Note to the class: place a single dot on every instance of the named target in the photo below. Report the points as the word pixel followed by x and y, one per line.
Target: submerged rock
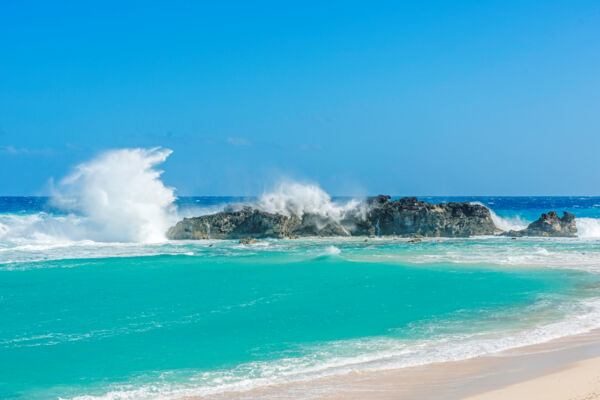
pixel 550 225
pixel 378 216
pixel 248 240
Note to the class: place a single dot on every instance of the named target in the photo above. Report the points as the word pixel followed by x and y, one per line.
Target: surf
pixel 118 196
pixel 295 198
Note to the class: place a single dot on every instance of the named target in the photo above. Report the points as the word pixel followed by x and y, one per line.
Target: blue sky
pixel 469 97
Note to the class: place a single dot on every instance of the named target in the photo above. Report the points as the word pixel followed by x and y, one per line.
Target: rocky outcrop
pixel 318 225
pixel 410 217
pixel 378 216
pixel 550 225
pixel 244 223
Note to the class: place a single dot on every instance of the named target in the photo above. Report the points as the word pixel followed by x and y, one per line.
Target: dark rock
pixel 234 225
pixel 549 225
pixel 415 240
pixel 248 240
pixel 377 200
pixel 317 225
pixel 410 217
pixel 378 216
pixel 249 222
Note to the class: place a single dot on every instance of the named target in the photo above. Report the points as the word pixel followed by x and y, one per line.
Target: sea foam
pixel 121 195
pixel 115 197
pixel 294 198
pixel 505 223
pixel 588 227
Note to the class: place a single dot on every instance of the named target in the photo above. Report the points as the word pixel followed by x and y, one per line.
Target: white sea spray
pixel 294 198
pixel 116 197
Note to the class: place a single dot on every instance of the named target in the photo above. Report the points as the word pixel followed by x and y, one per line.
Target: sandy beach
pixel 563 369
pixel 576 381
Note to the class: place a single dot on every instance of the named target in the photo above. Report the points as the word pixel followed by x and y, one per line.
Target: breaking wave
pixel 293 198
pixel 508 223
pixel 116 197
pixel 588 227
pixel 505 223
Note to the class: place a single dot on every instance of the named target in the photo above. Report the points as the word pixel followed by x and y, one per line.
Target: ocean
pixel 95 304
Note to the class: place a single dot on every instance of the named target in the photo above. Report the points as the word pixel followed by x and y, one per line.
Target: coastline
pixel 566 368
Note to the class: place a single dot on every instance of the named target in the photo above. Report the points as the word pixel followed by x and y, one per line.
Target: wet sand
pixel 567 368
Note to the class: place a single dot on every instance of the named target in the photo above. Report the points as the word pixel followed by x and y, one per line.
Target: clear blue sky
pixel 452 97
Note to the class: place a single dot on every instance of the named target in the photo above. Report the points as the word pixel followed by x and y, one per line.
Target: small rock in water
pixel 549 225
pixel 248 240
pixel 415 240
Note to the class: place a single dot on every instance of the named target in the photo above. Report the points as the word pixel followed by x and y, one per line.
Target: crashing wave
pixel 588 228
pixel 506 224
pixel 293 198
pixel 116 197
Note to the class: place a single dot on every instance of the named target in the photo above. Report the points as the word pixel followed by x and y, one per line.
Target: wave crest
pixel 505 223
pixel 115 197
pixel 121 196
pixel 588 227
pixel 293 198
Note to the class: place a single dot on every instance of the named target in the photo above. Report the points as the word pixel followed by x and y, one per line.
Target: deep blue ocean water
pixel 113 319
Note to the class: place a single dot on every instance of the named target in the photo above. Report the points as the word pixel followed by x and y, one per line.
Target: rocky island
pixel 377 216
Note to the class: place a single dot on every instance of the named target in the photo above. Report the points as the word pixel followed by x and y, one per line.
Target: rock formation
pixel 379 216
pixel 549 225
pixel 411 217
pixel 240 224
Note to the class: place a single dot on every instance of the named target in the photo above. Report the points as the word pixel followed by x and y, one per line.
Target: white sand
pixel 576 381
pixel 565 369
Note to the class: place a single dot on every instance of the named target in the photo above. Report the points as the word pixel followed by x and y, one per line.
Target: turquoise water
pixel 84 319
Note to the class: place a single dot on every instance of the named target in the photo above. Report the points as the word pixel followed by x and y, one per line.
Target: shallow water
pixel 89 319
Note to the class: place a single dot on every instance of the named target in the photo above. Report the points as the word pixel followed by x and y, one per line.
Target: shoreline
pixel 566 368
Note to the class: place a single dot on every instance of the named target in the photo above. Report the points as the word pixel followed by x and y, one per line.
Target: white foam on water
pixel 508 223
pixel 332 251
pixel 499 251
pixel 505 223
pixel 588 227
pixel 3 229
